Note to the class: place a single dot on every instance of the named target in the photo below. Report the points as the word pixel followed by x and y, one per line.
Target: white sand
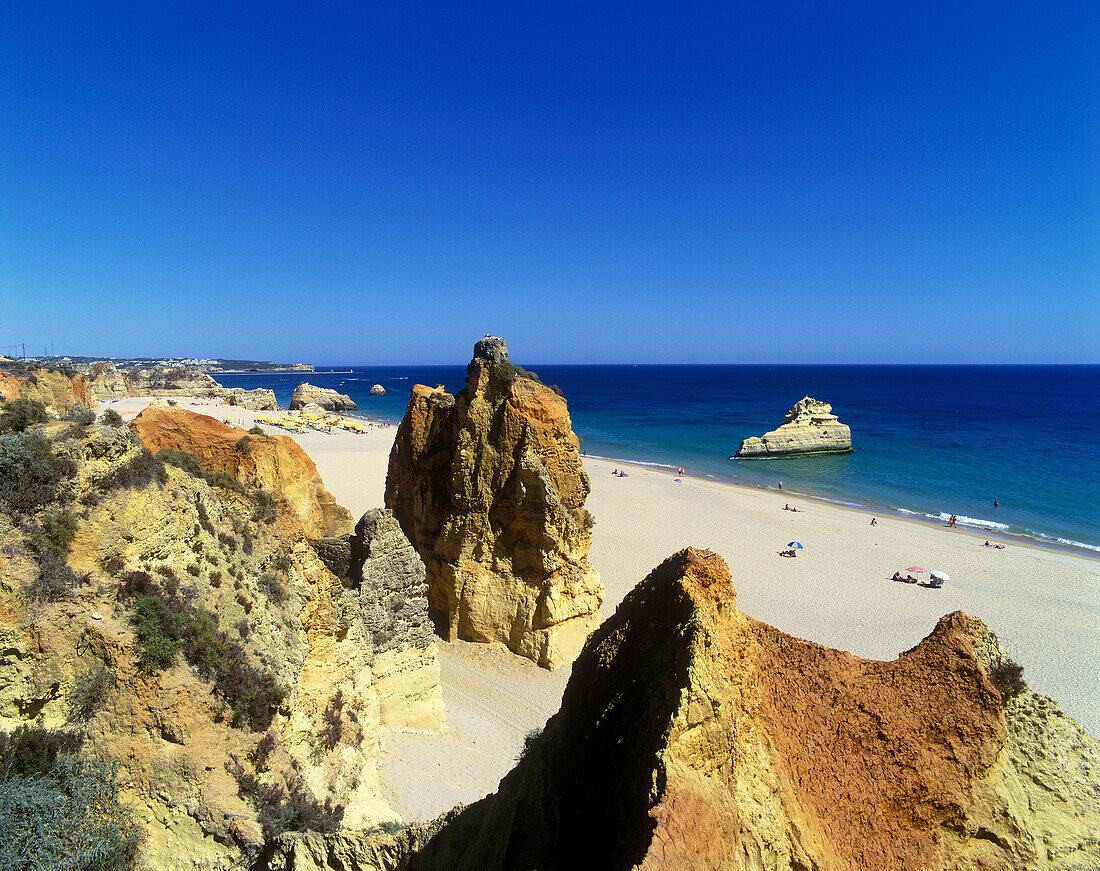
pixel 1044 604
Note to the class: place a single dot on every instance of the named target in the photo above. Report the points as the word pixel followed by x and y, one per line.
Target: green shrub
pixel 182 460
pixel 164 625
pixel 204 518
pixel 89 693
pixel 55 580
pixel 1008 677
pixel 112 565
pixel 137 473
pixel 242 443
pixel 273 587
pixel 264 507
pixel 20 414
pixel 224 480
pixel 80 415
pixel 69 818
pixel 55 533
pixel 30 751
pixel 256 430
pixel 29 471
pixel 112 418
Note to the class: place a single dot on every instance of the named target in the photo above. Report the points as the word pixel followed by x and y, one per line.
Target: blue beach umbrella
pixel 797 544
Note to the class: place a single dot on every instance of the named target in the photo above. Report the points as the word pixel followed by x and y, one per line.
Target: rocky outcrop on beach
pixel 57 391
pixel 108 382
pixel 273 462
pixel 258 399
pixel 809 428
pixel 489 487
pixel 306 394
pixel 377 390
pixel 692 736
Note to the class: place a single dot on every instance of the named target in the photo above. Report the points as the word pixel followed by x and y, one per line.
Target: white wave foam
pixel 1073 543
pixel 973 521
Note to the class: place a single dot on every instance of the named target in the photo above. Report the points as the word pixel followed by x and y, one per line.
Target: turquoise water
pixel 928 440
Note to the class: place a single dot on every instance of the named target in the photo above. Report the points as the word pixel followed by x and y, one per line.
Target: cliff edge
pixel 489 487
pixel 692 736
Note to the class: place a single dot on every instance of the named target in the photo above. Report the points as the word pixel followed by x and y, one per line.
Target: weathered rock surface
pixel 809 428
pixel 107 381
pixel 259 399
pixel 188 766
pixel 692 736
pixel 57 391
pixel 274 462
pixel 489 487
pixel 377 390
pixel 330 400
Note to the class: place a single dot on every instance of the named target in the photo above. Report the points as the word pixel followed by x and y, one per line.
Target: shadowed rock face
pixel 274 462
pixel 489 487
pixel 692 736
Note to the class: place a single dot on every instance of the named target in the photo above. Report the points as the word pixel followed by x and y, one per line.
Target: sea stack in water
pixel 809 428
pixel 305 393
pixel 489 487
pixel 378 390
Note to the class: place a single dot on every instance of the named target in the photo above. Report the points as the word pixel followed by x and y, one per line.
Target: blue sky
pixel 386 182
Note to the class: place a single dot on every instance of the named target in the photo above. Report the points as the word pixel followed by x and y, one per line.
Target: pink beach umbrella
pixel 917 569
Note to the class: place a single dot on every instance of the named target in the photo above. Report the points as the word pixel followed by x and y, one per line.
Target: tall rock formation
pixel 692 736
pixel 274 462
pixel 330 400
pixel 489 487
pixel 810 427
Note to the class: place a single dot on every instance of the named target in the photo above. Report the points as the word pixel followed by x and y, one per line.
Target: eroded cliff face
pixel 274 462
pixel 57 391
pixel 810 427
pixel 692 736
pixel 108 381
pixel 204 785
pixel 489 487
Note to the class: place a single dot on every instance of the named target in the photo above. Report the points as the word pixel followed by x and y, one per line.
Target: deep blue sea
pixel 929 440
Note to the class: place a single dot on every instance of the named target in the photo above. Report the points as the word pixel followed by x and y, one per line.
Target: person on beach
pixel 951 522
pixel 874 522
pixel 780 485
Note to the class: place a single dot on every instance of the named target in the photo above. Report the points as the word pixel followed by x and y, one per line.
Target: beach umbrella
pixel 943 576
pixel 917 569
pixel 797 544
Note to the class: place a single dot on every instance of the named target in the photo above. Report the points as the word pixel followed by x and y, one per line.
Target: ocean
pixel 929 440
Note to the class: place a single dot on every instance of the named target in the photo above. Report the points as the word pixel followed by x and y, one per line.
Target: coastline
pixel 837 592
pixel 977 526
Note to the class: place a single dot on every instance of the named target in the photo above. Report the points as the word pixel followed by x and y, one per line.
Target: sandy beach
pixel 1043 603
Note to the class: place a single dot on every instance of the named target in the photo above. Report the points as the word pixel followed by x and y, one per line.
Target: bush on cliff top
pixel 30 472
pixel 112 418
pixel 191 465
pixel 20 414
pixel 137 473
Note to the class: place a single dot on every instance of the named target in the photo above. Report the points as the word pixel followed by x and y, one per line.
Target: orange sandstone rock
pixel 274 462
pixel 488 486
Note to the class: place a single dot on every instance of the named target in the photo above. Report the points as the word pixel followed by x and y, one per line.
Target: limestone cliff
pixel 107 381
pixel 692 736
pixel 330 400
pixel 57 391
pixel 274 462
pixel 489 487
pixel 810 427
pixel 208 789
